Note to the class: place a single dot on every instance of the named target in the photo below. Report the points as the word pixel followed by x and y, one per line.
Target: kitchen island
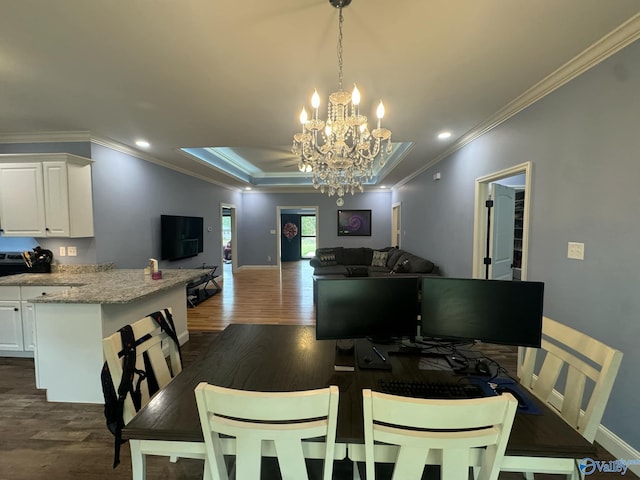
pixel 69 325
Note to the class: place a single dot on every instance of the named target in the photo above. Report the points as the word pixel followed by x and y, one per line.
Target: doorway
pixel 229 252
pixel 501 230
pixel 396 228
pixel 297 233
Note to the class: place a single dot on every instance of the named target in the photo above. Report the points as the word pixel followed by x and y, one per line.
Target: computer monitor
pixel 492 311
pixel 361 307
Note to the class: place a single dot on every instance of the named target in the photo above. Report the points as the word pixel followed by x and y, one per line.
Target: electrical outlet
pixel 575 250
pixel 72 251
pixel 62 252
pixel 268 258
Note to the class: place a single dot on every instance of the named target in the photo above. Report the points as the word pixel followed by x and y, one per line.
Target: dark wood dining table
pixel 287 358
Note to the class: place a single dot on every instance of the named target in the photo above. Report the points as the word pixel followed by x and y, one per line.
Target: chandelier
pixel 340 151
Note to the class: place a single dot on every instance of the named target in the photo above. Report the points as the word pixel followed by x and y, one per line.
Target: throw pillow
pixel 328 259
pixel 379 259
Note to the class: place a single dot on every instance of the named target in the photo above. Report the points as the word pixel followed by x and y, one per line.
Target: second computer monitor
pixel 360 307
pixel 492 311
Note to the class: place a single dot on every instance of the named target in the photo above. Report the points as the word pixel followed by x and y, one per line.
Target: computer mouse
pixel 368 359
pixel 482 368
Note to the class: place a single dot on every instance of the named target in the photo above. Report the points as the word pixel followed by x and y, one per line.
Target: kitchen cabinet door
pixel 11 338
pixel 22 200
pixel 56 198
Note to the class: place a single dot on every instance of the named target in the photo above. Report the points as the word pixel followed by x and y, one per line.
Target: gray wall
pixel 583 143
pixel 258 216
pixel 129 196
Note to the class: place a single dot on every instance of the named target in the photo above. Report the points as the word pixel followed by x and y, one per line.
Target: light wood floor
pixel 258 295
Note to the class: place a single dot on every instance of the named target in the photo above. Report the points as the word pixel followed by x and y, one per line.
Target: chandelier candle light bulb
pixel 340 152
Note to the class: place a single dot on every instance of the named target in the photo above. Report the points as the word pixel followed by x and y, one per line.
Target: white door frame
pixel 396 224
pixel 480 216
pixel 279 209
pixel 234 236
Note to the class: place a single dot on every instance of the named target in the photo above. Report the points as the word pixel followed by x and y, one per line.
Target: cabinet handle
pixel 46 229
pixel 16 309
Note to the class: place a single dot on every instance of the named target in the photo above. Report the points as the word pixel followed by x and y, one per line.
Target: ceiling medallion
pixel 340 152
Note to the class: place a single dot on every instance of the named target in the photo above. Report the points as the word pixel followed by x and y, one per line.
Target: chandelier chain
pixel 340 22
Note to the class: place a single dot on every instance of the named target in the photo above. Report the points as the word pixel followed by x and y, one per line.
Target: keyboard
pixel 435 390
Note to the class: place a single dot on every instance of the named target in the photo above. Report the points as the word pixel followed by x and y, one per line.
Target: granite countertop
pixel 112 286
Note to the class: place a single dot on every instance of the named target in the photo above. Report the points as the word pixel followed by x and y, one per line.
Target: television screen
pixel 180 236
pixel 361 307
pixel 492 311
pixel 354 223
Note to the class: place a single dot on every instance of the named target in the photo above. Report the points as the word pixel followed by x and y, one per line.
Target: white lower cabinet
pixel 17 319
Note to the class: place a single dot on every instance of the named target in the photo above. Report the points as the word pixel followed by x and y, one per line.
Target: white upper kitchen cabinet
pixel 45 195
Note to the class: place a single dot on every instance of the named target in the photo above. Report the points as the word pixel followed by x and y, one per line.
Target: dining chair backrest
pixel 152 342
pixel 258 421
pixel 573 373
pixel 457 429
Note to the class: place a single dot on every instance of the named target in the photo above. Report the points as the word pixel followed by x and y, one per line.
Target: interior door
pixel 502 225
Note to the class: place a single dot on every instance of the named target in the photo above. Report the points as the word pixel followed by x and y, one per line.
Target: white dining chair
pixel 573 374
pixel 456 434
pixel 164 358
pixel 291 426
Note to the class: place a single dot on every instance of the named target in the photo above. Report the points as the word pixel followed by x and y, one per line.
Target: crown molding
pixel 45 137
pixel 613 42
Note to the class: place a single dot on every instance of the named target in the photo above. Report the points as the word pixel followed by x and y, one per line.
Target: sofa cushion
pixel 379 259
pixel 357 256
pixel 393 256
pixel 414 263
pixel 330 270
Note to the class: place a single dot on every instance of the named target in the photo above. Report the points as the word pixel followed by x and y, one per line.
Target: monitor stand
pixel 344 356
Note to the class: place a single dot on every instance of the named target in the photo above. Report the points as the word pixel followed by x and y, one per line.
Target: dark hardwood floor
pixel 51 441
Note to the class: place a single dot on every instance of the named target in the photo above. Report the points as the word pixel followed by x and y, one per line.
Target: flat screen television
pixel 362 307
pixel 492 311
pixel 180 236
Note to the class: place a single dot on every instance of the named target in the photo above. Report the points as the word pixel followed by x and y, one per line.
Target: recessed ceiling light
pixel 444 135
pixel 143 143
pixel 247 188
pixel 383 186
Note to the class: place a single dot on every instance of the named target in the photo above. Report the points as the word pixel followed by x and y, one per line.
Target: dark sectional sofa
pixel 384 261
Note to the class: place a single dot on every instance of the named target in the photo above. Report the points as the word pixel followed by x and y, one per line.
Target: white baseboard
pixel 612 443
pixel 246 267
pixel 618 447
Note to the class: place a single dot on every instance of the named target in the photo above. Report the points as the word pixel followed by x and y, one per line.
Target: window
pixel 308 236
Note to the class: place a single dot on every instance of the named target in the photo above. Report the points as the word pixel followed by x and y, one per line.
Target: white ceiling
pixel 212 73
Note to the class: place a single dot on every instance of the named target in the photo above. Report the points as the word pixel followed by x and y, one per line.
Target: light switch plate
pixel 575 250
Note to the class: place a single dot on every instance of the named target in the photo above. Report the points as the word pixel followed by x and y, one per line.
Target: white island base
pixel 68 357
